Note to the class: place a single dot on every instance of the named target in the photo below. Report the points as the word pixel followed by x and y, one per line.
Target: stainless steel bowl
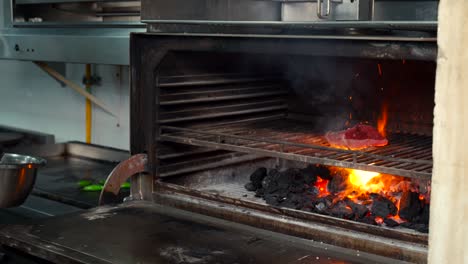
pixel 17 177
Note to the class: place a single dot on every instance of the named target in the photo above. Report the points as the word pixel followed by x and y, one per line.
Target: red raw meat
pixel 357 137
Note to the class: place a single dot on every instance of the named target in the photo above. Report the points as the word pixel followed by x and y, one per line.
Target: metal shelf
pixel 406 155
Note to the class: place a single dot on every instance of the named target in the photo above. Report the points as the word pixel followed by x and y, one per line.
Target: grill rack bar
pixel 293 141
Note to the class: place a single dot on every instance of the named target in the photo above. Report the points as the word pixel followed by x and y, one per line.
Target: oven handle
pixel 120 174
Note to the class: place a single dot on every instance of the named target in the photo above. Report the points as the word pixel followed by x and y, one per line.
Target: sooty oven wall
pixel 336 93
pixel 314 78
pixel 331 92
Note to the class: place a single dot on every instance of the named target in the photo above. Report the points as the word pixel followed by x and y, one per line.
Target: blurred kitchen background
pixel 67 36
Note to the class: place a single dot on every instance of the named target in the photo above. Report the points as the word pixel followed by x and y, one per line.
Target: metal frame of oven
pixel 147 52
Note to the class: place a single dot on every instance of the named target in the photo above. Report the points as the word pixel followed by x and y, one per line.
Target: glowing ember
pixel 363 196
pixel 382 122
pixel 379 220
pixel 360 178
pixel 321 185
pixel 379 67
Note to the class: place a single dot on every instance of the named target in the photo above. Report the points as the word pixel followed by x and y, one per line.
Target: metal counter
pixel 160 234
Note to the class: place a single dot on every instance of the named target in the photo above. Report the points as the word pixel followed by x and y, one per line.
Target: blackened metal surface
pixel 148 51
pixel 59 180
pixel 159 234
pixel 416 48
pixel 145 58
pixel 314 230
pixel 238 196
pixel 34 208
pixel 419 31
pixel 69 163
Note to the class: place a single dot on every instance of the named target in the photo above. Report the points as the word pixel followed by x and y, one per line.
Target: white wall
pixel 30 99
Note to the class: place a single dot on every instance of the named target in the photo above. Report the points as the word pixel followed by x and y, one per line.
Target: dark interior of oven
pixel 223 115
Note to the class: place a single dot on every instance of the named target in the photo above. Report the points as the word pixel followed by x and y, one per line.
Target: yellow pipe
pixel 88 104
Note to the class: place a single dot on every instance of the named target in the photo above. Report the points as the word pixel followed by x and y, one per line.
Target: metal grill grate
pixel 406 155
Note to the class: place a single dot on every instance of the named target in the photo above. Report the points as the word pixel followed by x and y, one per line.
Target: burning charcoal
pixel 292 177
pixel 312 171
pixel 379 220
pixel 422 185
pixel 410 205
pixel 272 200
pixel 257 177
pixel 271 188
pixel 274 173
pixel 310 174
pixel 390 222
pixel 323 204
pixel 337 183
pixel 382 207
pixel 283 179
pixel 406 224
pixel 313 191
pixel 370 220
pixel 269 183
pixel 307 203
pixel 421 228
pixel 323 172
pixel 295 175
pixel 342 210
pixel 293 201
pixel 320 207
pixel 250 187
pixel 282 193
pixel 359 210
pixel 297 187
pixel 259 192
pixel 423 217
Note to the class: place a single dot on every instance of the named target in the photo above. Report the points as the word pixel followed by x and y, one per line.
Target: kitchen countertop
pixel 144 232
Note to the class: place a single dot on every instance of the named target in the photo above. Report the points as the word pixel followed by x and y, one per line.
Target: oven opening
pixel 250 129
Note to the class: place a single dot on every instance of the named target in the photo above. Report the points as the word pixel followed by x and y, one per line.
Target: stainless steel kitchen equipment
pixel 17 178
pixel 217 94
pixel 285 11
pixel 68 31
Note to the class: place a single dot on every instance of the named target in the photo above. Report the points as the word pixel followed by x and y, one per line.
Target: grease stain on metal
pixel 98 213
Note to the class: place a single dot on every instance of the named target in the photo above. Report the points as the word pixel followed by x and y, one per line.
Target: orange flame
pixel 382 121
pixel 361 181
pixel 358 186
pixel 361 178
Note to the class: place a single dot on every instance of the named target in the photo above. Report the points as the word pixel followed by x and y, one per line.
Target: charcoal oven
pixel 210 109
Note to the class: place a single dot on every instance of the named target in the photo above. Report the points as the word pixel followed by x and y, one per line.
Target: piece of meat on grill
pixel 355 138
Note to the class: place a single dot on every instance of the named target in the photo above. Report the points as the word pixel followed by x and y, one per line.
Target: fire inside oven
pixel 249 129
